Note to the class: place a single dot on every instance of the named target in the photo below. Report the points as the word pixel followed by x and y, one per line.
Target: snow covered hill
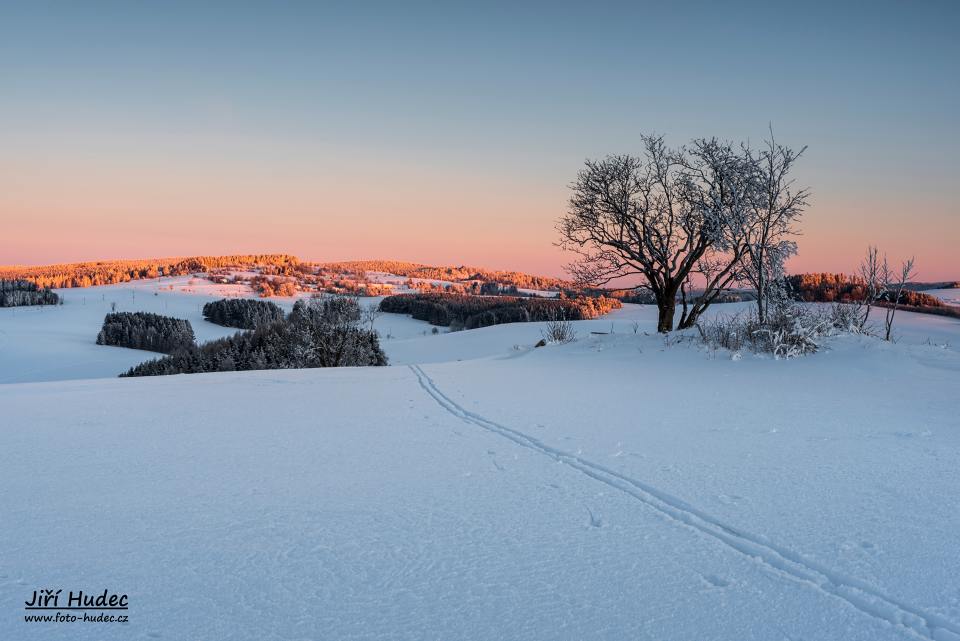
pixel 623 486
pixel 59 342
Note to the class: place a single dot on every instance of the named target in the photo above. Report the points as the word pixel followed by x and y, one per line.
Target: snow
pixel 949 296
pixel 623 486
pixel 515 339
pixel 59 342
pixel 386 278
pixel 543 293
pixel 831 470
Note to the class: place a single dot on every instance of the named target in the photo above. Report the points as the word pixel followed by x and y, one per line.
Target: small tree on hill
pixel 775 207
pixel 894 284
pixel 873 274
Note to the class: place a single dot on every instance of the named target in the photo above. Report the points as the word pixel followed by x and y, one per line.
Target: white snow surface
pixel 620 487
pixel 949 296
pixel 59 342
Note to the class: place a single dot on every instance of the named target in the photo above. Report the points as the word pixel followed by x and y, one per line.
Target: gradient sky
pixel 448 134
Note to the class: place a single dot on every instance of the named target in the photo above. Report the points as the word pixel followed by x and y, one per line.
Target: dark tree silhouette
pixel 142 330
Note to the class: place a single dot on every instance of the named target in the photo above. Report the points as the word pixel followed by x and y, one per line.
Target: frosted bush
pixel 790 331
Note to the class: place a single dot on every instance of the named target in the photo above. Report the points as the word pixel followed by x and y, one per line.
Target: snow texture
pixel 623 486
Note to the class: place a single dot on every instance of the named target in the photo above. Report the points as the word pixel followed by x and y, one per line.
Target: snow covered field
pixel 59 342
pixel 949 296
pixel 619 487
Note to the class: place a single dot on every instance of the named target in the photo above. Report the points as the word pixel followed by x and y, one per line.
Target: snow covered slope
pixel 617 488
pixel 506 341
pixel 624 486
pixel 59 342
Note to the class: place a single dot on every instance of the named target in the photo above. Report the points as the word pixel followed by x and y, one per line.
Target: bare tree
pixel 720 182
pixel 369 316
pixel 875 275
pixel 894 284
pixel 776 205
pixel 663 216
pixel 881 285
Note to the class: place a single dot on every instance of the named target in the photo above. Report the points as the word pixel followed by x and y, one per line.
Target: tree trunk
pixel 761 301
pixel 683 301
pixel 668 307
pixel 691 319
pixel 762 293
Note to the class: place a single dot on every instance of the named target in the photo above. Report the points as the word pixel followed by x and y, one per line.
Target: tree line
pixel 242 313
pixel 143 330
pixel 21 293
pixel 88 274
pixel 326 331
pixel 459 311
pixel 843 288
pixel 453 274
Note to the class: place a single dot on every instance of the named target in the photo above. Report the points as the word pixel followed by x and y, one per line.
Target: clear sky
pixel 448 132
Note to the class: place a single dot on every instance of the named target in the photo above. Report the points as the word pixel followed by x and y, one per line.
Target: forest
pixel 120 271
pixel 143 330
pixel 21 293
pixel 327 331
pixel 459 311
pixel 242 313
pixel 286 275
pixel 351 278
pixel 841 288
pixel 450 273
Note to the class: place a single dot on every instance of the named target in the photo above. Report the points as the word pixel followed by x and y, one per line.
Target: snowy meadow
pixel 623 485
pixel 479 321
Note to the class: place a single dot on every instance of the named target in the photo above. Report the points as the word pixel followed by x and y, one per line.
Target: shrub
pixel 847 318
pixel 721 331
pixel 559 330
pixel 142 330
pixel 790 331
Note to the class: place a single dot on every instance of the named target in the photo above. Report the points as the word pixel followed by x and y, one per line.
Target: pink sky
pixel 96 201
pixel 71 210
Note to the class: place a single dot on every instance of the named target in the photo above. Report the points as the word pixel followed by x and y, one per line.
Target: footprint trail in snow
pixel 781 560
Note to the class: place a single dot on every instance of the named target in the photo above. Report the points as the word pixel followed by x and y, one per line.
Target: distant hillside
pixel 840 288
pixel 458 273
pixel 109 272
pixel 919 287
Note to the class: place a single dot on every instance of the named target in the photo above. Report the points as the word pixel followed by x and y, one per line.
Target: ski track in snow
pixel 781 560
